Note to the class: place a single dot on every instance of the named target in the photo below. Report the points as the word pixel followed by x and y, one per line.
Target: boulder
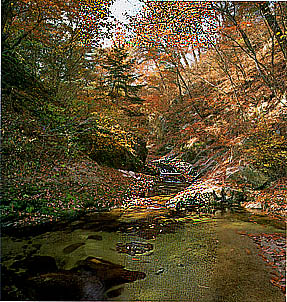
pixel 247 175
pixel 132 174
pixel 128 173
pixel 205 195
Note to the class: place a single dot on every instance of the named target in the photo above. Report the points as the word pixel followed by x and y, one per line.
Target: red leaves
pixel 278 283
pixel 273 252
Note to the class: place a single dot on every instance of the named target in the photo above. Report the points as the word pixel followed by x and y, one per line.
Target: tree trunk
pixel 273 24
pixel 179 87
pixel 160 74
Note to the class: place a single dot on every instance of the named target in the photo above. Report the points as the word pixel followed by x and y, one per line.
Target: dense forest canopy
pixel 181 76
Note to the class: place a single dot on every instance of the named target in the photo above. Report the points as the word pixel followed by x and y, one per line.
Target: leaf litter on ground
pixel 273 252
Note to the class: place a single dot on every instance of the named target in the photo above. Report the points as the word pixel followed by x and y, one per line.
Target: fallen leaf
pixel 248 252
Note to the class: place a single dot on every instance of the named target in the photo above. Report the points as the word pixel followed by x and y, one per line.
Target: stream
pixel 144 253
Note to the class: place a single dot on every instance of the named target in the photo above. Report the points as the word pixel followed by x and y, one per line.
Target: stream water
pixel 143 254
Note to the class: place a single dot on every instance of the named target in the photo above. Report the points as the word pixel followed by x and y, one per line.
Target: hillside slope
pixel 241 139
pixel 56 164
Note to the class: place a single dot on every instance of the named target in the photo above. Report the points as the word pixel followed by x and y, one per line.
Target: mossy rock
pixel 248 175
pixel 104 147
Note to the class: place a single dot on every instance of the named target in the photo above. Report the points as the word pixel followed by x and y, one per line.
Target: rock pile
pixel 205 195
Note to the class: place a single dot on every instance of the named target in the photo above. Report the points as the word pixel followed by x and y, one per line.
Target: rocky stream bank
pixel 181 240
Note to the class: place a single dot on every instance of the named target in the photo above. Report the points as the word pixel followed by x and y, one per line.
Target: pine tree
pixel 120 76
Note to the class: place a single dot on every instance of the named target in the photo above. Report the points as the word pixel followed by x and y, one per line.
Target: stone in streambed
pixel 133 248
pixel 69 249
pixel 95 237
pixel 109 273
pixel 37 264
pixel 160 271
pixel 65 285
pixel 90 280
pixel 114 293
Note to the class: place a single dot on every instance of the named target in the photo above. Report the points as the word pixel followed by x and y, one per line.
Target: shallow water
pixel 193 258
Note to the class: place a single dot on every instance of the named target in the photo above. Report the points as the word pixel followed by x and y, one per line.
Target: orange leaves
pixel 174 24
pixel 82 18
pixel 248 252
pixel 245 24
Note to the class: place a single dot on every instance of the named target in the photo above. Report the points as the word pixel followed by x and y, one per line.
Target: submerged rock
pixel 205 195
pixel 109 273
pixel 91 279
pixel 36 264
pixel 95 237
pixel 133 248
pixel 65 286
pixel 69 249
pixel 114 293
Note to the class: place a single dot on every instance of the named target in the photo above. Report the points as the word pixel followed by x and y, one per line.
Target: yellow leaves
pixel 111 134
pixel 267 152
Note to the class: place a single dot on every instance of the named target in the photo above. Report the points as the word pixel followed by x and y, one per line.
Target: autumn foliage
pixel 203 80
